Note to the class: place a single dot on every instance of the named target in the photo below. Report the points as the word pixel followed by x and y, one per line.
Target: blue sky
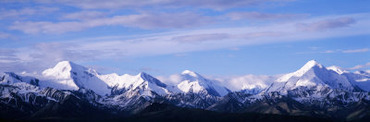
pixel 161 37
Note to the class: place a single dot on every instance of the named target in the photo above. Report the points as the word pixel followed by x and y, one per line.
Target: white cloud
pixel 48 27
pixel 314 48
pixel 144 20
pixel 357 67
pixel 103 48
pixel 262 16
pixel 172 79
pixel 327 24
pixel 248 82
pixel 118 4
pixel 201 37
pixel 245 82
pixel 9 14
pixel 361 50
pixel 356 50
pixel 329 51
pixel 4 35
pixel 90 19
pixel 85 15
pixel 234 83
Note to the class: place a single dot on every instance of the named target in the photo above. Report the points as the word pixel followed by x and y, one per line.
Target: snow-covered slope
pixel 311 89
pixel 12 78
pixel 313 76
pixel 142 81
pixel 195 83
pixel 337 69
pixel 360 78
pixel 70 76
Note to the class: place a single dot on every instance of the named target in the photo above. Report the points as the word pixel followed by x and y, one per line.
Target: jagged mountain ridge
pixel 311 75
pixel 67 75
pixel 190 81
pixel 311 88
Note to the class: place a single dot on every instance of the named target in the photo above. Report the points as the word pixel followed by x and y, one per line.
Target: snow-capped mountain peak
pixel 312 75
pixel 70 76
pixel 64 69
pixel 308 66
pixel 193 76
pixel 142 84
pixel 312 63
pixel 195 83
pixel 304 69
pixel 151 79
pixel 61 69
pixel 190 73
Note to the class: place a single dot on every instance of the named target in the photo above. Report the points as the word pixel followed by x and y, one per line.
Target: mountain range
pixel 69 90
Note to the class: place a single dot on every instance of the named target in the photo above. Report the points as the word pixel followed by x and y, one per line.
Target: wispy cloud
pixel 329 51
pixel 314 48
pixel 356 50
pixel 237 83
pixel 7 56
pixel 85 15
pixel 144 20
pixel 118 4
pixel 41 56
pixel 327 24
pixel 172 79
pixel 11 14
pixel 262 16
pixel 165 43
pixel 361 50
pixel 201 37
pixel 234 48
pixel 4 35
pixel 360 66
pixel 90 19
